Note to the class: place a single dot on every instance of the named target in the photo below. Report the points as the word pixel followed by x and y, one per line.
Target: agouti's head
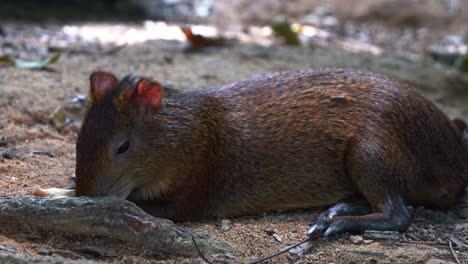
pixel 112 151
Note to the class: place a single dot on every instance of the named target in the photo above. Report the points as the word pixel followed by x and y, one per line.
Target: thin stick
pixel 280 252
pixel 199 251
pixel 453 252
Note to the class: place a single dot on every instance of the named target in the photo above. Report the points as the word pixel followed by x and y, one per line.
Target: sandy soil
pixel 34 154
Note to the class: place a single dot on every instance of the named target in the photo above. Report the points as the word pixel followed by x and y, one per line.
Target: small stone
pixel 226 224
pixel 79 99
pixel 368 241
pixel 302 249
pixel 7 155
pixel 381 235
pixel 3 142
pixel 356 239
pixel 3 248
pixel 45 251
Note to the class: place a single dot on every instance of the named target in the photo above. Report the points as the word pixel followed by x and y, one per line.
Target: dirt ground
pixel 34 154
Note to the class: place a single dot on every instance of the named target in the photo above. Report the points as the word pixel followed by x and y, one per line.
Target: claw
pixel 312 230
pixel 317 230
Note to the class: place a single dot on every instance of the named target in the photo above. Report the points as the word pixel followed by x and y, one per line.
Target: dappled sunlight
pixel 132 34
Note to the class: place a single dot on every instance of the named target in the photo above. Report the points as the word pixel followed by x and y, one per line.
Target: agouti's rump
pixel 286 140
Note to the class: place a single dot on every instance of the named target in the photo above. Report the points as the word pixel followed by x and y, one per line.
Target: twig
pixel 65 252
pixel 199 251
pixel 458 242
pixel 413 237
pixel 430 243
pixel 453 252
pixel 280 252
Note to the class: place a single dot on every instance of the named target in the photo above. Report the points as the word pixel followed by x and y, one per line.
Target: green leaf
pixel 36 64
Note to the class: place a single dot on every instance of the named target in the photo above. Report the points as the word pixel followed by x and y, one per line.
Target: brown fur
pixel 288 140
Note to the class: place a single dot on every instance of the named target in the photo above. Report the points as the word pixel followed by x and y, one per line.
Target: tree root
pixel 107 217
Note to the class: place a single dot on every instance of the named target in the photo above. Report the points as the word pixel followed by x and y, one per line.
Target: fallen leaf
pixel 22 64
pixel 282 29
pixel 198 41
pixel 277 237
pixel 54 193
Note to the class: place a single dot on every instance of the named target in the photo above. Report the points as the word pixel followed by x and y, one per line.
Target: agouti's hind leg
pixel 377 174
pixel 393 216
pixel 342 209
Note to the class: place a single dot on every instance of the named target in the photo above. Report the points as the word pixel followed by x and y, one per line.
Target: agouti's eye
pixel 123 147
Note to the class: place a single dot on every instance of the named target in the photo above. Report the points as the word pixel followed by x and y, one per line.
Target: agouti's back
pixel 295 138
pixel 288 140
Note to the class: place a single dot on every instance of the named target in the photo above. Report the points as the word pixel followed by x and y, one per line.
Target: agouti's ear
pixel 101 84
pixel 148 94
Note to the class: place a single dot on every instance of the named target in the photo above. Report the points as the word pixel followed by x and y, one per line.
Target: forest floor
pixel 34 154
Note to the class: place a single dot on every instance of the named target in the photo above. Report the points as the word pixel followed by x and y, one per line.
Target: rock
pixel 45 251
pixel 226 224
pixel 381 235
pixel 3 248
pixel 302 249
pixel 7 155
pixel 3 141
pixel 356 239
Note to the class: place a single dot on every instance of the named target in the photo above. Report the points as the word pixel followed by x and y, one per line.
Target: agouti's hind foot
pixel 356 218
pixel 345 209
pixel 341 209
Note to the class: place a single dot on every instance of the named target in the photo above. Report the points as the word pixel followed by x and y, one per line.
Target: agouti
pixel 288 140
